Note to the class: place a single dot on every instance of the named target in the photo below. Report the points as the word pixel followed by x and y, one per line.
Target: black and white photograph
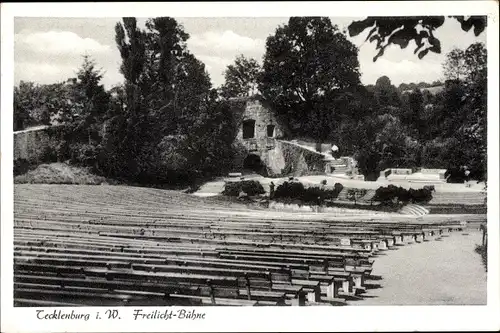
pixel 164 166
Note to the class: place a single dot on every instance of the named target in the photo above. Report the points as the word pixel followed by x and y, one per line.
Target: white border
pixel 364 318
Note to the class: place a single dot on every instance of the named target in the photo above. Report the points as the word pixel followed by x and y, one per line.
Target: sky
pixel 49 50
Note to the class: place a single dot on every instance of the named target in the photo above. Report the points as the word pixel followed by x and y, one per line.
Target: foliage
pixel 172 122
pixel 400 31
pixel 250 187
pixel 300 162
pixel 36 104
pixel 383 142
pixel 241 78
pixel 289 190
pixel 21 166
pixel 454 66
pixel 393 194
pixel 483 251
pixel 167 124
pixel 445 129
pixel 386 95
pixel 354 194
pixel 61 173
pixel 307 62
pixel 309 195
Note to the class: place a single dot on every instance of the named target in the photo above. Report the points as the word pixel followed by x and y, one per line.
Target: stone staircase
pixel 368 196
pixel 413 209
pixel 338 166
pixel 365 198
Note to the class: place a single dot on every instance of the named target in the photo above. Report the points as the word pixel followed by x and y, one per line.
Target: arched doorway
pixel 253 163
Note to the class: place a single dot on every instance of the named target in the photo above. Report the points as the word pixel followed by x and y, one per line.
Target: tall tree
pixel 241 78
pixel 386 94
pixel 90 98
pixel 36 104
pixel 25 100
pixel 475 107
pixel 454 65
pixel 413 115
pixel 122 141
pixel 169 103
pixel 306 61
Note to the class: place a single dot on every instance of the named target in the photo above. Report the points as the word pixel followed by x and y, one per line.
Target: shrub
pixel 289 190
pixel 430 188
pixel 483 251
pixel 250 187
pixel 315 195
pixel 21 165
pixel 84 154
pixel 353 194
pixel 392 193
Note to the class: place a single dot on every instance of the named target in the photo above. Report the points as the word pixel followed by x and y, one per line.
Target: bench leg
pixel 408 238
pixel 312 297
pixel 382 245
pixel 330 290
pixel 346 286
pixel 358 280
pixel 300 300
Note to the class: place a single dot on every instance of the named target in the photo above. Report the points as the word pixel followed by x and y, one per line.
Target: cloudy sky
pixel 49 50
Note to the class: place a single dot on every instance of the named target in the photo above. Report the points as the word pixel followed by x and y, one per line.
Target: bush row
pixel 297 191
pixel 250 187
pixel 394 193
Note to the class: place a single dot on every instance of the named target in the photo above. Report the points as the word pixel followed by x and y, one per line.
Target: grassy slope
pixel 60 173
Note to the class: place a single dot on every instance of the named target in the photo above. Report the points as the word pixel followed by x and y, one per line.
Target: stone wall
pixel 32 145
pixel 257 110
pixel 262 145
pixel 280 158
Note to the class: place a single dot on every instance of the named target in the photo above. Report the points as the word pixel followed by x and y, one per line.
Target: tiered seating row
pixel 105 245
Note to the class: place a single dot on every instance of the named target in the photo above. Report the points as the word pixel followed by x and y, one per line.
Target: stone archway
pixel 253 163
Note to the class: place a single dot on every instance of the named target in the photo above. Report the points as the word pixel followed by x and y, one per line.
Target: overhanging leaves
pixel 386 31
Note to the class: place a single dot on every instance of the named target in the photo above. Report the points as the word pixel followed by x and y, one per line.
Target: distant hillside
pixel 432 90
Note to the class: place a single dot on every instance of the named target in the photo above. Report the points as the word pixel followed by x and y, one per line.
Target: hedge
pixel 297 191
pixel 392 192
pixel 250 187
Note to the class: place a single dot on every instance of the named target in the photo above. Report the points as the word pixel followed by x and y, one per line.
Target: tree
pixel 475 107
pixel 25 99
pixel 172 127
pixel 382 142
pixel 386 94
pixel 413 115
pixel 36 104
pixel 454 65
pixel 122 141
pixel 307 62
pixel 90 99
pixel 354 194
pixel 400 31
pixel 241 78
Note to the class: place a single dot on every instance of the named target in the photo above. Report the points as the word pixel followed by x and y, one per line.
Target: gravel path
pixel 437 272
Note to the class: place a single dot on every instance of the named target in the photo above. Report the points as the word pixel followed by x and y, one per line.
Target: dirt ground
pixel 437 272
pixel 215 187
